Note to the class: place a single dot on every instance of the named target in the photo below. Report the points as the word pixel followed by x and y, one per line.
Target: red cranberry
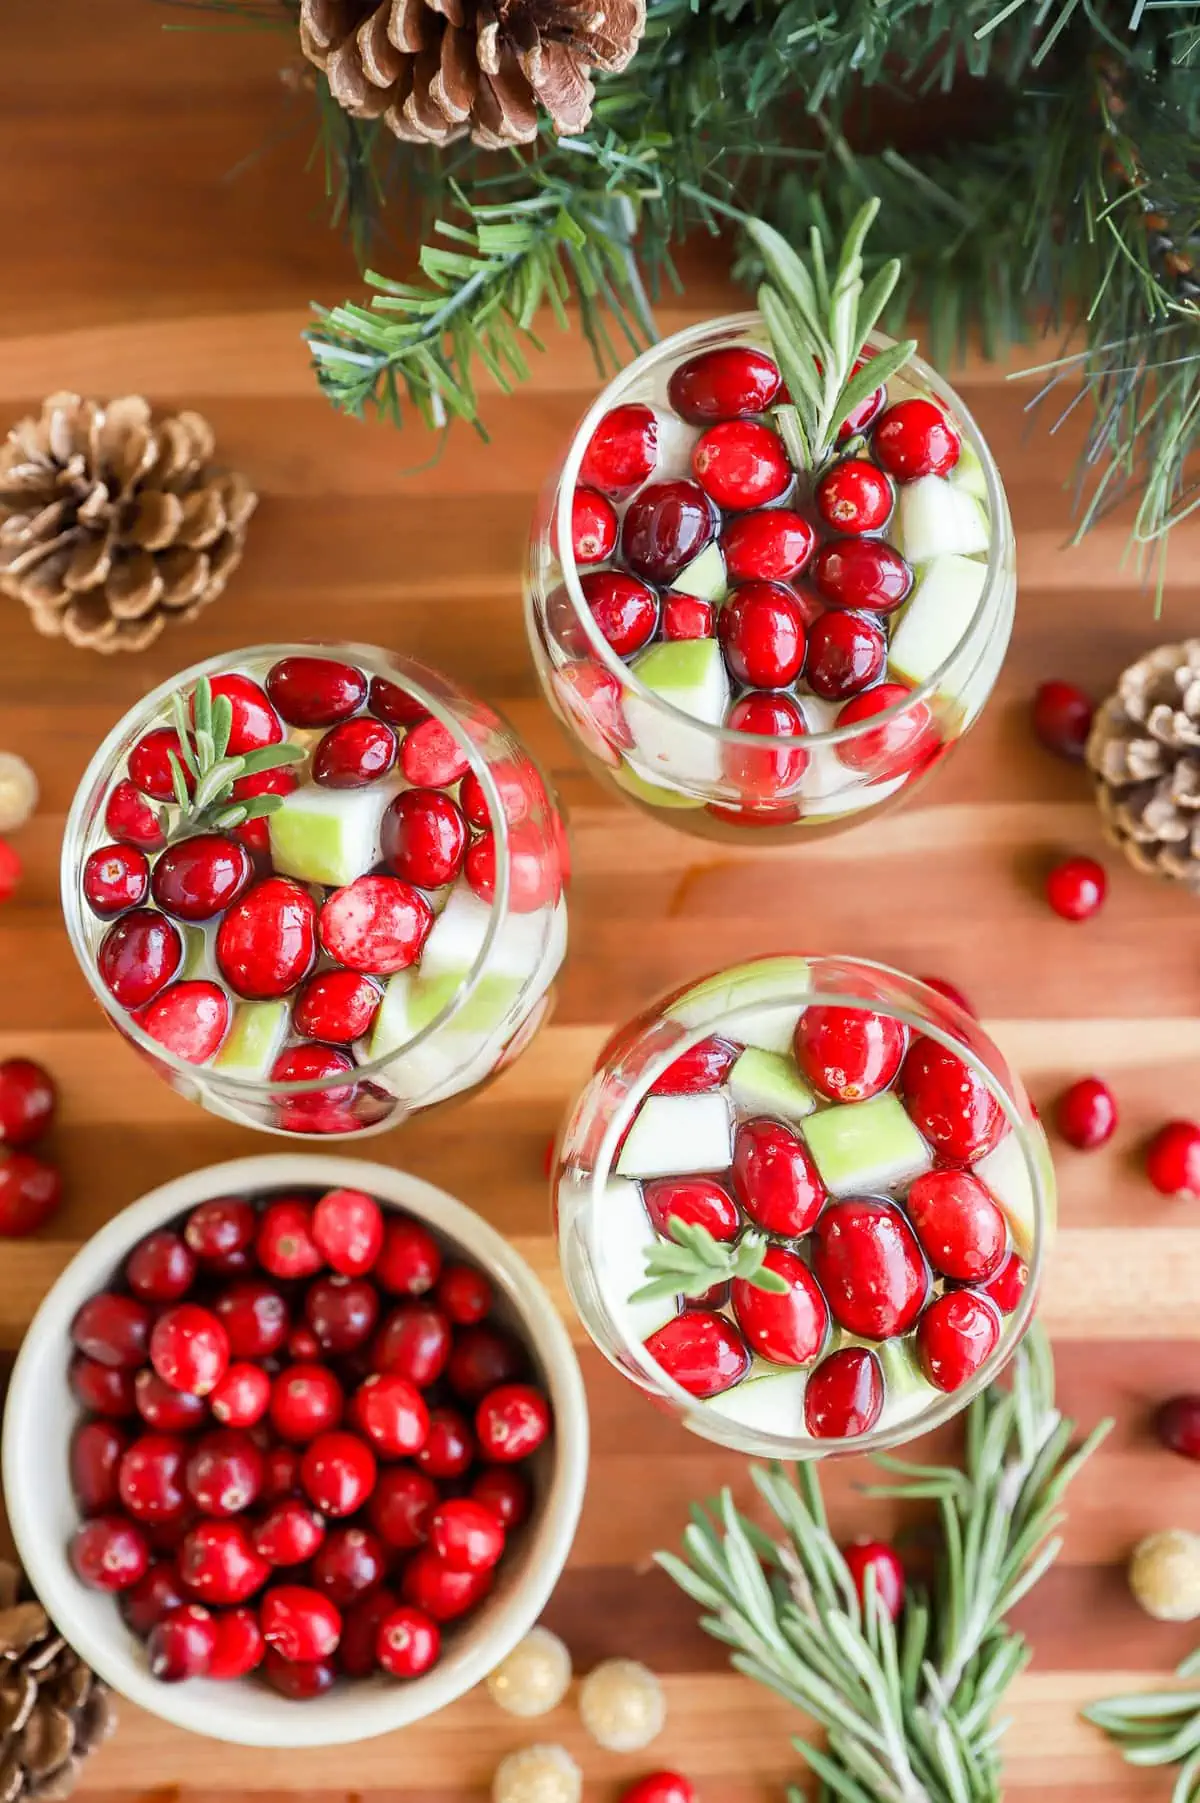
pixel 96 1451
pixel 512 1422
pixel 761 630
pixel 955 1335
pixel 400 1506
pixel 200 877
pixel 150 1478
pixel 622 451
pixel 1062 718
pixel 593 526
pixel 624 609
pixel 300 1681
pixel 771 546
pixel 505 1492
pixel 860 417
pixel 376 925
pixel 867 1261
pixel 218 1562
pixel 410 1260
pixel 267 942
pixel 281 1471
pixel 685 617
pixel 774 1178
pixel 188 1019
pixel 10 871
pixel 181 1644
pixel 389 701
pixel 113 1329
pixel 520 790
pixel 338 1005
pixel 1173 1159
pixel 306 1400
pixel 255 722
pixel 697 1201
pixel 432 758
pixel 107 1390
pixel 741 464
pixel 150 764
pixel 907 740
pixel 915 438
pixel 414 1342
pixel 315 691
pixel 844 1395
pixel 788 1329
pixel 659 1787
pixel 854 497
pixel 156 1592
pixel 726 383
pixel 30 1192
pixel 702 1067
pixel 449 1446
pixel 862 573
pixel 342 1312
pixel 952 993
pixel 950 1103
pixel 759 772
pixel 532 872
pixel 169 1410
pixel 115 877
pixel 846 654
pixel 1086 1114
pixel 254 1316
pixel 432 1587
pixel 160 1268
pixel 349 1563
pixel 338 1472
pixel 299 1623
pixel 1008 1285
pixel 129 817
pixel 285 1246
pixel 702 1351
pixel 392 1415
pixel 665 528
pixel 239 1645
pixel 220 1226
pixel 482 1358
pixel 354 754
pixel 27 1101
pixel 254 834
pixel 348 1228
pixel 289 1533
pixel 109 1553
pixel 1177 1424
pixel 848 1054
pixel 243 1395
pixel 189 1348
pixel 138 956
pixel 424 837
pixel 1076 888
pixel 961 1230
pixel 224 1474
pixel 407 1643
pixel 876 1557
pixel 464 1293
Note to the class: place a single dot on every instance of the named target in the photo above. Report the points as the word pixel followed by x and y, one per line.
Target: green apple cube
pixel 456 939
pixel 742 986
pixel 968 473
pixel 865 1147
pixel 770 1404
pixel 676 1135
pixel 936 617
pixel 254 1041
pixel 675 441
pixel 770 1028
pixel 659 795
pixel 1005 1174
pixel 936 519
pixel 906 1389
pixel 688 675
pixel 769 1083
pixel 624 1238
pixel 198 959
pixel 704 577
pixel 328 835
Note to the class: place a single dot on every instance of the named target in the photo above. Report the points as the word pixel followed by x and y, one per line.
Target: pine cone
pixel 437 69
pixel 1144 750
pixel 113 522
pixel 53 1709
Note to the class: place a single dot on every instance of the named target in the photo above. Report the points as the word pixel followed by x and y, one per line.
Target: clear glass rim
pixel 1015 1324
pixel 746 324
pixel 98 773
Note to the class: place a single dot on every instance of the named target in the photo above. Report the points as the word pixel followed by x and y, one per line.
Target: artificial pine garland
pixel 909 1711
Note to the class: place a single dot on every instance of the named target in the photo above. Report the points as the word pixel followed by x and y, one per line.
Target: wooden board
pixel 159 234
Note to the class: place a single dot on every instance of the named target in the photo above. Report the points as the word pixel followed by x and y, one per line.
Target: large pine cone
pixel 1144 751
pixel 113 522
pixel 53 1708
pixel 437 69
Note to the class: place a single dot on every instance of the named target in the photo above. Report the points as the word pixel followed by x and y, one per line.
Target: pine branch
pixel 203 772
pixel 692 1261
pixel 1158 1727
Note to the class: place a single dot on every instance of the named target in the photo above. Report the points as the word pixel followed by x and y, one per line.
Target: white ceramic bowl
pixel 41 1413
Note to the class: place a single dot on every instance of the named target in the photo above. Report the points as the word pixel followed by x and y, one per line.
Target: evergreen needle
pixel 203 773
pixel 692 1261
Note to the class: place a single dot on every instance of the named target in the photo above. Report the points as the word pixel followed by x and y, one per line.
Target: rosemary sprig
pixel 818 329
pixel 1158 1727
pixel 204 750
pixel 908 1710
pixel 692 1261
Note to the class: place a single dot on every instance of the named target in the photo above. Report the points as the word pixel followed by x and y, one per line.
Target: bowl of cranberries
pixel 740 644
pixel 319 887
pixel 294 1450
pixel 805 1202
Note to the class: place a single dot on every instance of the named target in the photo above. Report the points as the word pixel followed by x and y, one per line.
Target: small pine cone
pixel 113 522
pixel 1144 752
pixel 54 1710
pixel 435 70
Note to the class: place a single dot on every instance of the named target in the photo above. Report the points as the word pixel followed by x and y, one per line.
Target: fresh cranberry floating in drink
pixel 286 882
pixel 798 1207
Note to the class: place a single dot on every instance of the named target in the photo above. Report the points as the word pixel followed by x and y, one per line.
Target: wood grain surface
pixel 161 233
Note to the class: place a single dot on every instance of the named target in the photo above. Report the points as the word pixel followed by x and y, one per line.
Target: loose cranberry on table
pixel 775 1179
pixel 624 608
pixel 354 754
pixel 267 941
pixel 665 527
pixel 846 654
pixel 189 1348
pixel 761 629
pixel 848 1054
pixel 854 497
pixel 844 1395
pixel 1177 1424
pixel 961 1230
pixel 881 1560
pixel 659 1787
pixel 788 1329
pixel 1086 1114
pixel 955 1335
pixel 30 1192
pixel 741 464
pixel 1062 718
pixel 10 871
pixel 115 878
pixel 407 1643
pixel 315 691
pixel 866 1258
pixel 1173 1159
pixel 728 382
pixel 950 1103
pixel 622 451
pixel 916 438
pixel 1076 888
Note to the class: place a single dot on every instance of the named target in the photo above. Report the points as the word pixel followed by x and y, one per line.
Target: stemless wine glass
pixel 386 941
pixel 699 740
pixel 874 1138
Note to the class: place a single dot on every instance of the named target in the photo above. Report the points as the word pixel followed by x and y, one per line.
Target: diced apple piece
pixel 865 1147
pixel 675 1135
pixel 936 519
pixel 1006 1175
pixel 659 795
pixel 770 1404
pixel 624 1238
pixel 769 1083
pixel 906 1391
pixel 770 1028
pixel 936 617
pixel 968 473
pixel 198 959
pixel 705 576
pixel 742 986
pixel 456 938
pixel 254 1041
pixel 689 677
pixel 328 835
